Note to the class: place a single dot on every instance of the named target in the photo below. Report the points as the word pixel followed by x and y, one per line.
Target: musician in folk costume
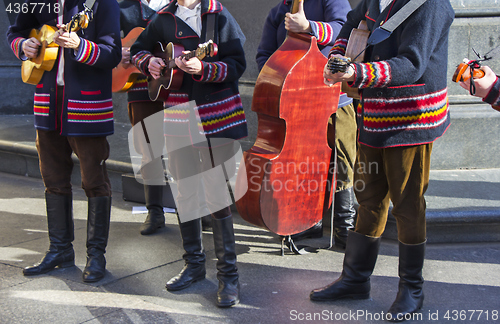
pixel 403 110
pixel 73 114
pixel 323 19
pixel 212 84
pixel 138 13
pixel 487 87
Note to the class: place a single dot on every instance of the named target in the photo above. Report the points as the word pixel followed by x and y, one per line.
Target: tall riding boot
pixel 343 215
pixel 99 212
pixel 194 257
pixel 61 235
pixel 359 260
pixel 154 203
pixel 410 294
pixel 228 293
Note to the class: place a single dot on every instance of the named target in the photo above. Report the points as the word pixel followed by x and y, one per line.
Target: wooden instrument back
pixel 358 40
pixel 124 75
pixel 287 169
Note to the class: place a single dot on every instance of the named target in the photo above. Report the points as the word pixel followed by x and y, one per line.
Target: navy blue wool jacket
pixel 87 107
pixel 326 18
pixel 404 84
pixel 218 102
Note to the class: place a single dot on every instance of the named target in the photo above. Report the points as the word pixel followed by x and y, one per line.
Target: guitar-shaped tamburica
pixel 171 77
pixel 358 40
pixel 32 69
pixel 124 75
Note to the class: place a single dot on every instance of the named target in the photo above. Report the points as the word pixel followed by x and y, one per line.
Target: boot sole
pixel 228 305
pixel 355 297
pixel 184 286
pixel 66 264
pixel 152 231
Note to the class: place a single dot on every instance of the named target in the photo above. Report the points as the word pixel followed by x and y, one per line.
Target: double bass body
pixel 288 174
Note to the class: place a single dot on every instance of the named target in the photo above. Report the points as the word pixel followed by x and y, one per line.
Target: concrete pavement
pixel 462 267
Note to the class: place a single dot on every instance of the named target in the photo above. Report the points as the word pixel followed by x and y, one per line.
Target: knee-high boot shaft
pixel 410 295
pixel 343 215
pixel 228 293
pixel 154 203
pixel 194 257
pixel 359 261
pixel 98 219
pixel 61 235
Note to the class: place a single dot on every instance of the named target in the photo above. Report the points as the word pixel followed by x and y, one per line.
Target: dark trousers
pixel 56 165
pixel 397 174
pixel 151 112
pixel 213 165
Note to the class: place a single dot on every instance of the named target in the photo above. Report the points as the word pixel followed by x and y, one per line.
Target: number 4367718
pixel 33 7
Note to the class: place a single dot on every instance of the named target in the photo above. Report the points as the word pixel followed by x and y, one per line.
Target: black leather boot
pixel 316 231
pixel 154 203
pixel 359 260
pixel 343 216
pixel 410 294
pixel 61 235
pixel 194 257
pixel 99 212
pixel 228 293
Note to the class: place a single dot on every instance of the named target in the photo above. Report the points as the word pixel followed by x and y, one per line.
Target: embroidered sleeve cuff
pixel 141 61
pixel 339 47
pixel 371 75
pixel 212 72
pixel 322 31
pixel 493 97
pixel 17 47
pixel 88 52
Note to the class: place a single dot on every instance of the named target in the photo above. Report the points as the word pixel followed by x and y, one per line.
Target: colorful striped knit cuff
pixel 372 75
pixel 212 72
pixel 88 52
pixel 322 31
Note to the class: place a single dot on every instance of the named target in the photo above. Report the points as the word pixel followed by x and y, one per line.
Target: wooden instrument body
pixel 124 75
pixel 286 171
pixel 358 39
pixel 32 69
pixel 172 76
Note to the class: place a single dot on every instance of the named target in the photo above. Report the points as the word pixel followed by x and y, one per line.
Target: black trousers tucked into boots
pixel 61 235
pixel 359 260
pixel 228 293
pixel 154 203
pixel 99 212
pixel 194 257
pixel 194 270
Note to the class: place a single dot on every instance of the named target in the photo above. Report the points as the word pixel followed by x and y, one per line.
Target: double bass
pixel 285 180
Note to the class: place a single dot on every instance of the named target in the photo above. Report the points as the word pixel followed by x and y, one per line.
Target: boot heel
pixel 67 264
pixel 361 296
